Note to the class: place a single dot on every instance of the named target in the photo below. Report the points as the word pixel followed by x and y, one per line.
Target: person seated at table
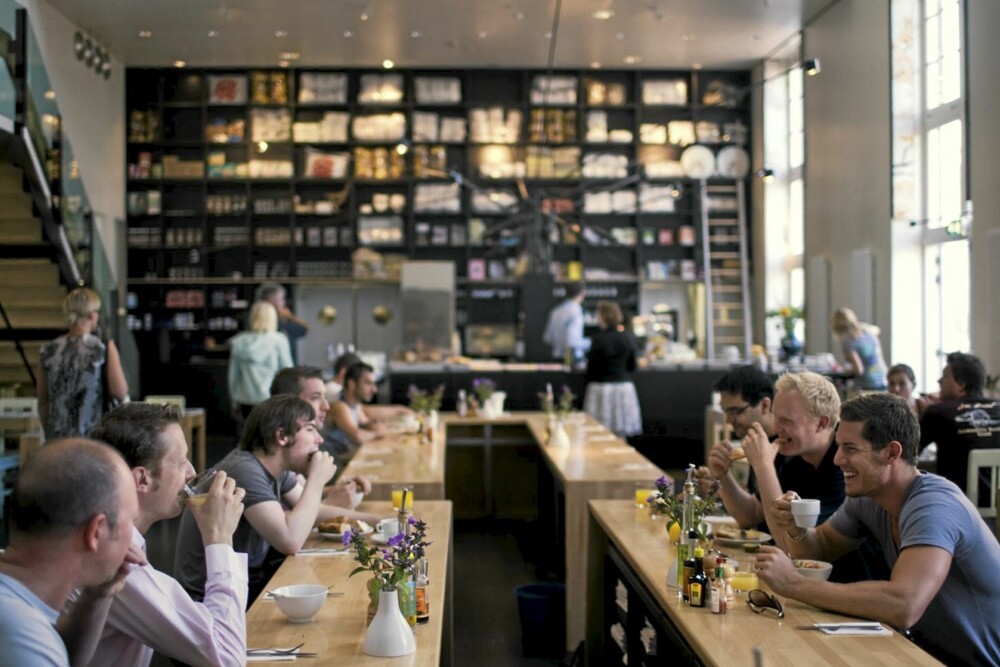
pixel 281 439
pixel 902 381
pixel 806 409
pixel 746 395
pixel 352 426
pixel 306 382
pixel 944 586
pixel 152 612
pixel 335 387
pixel 962 420
pixel 72 511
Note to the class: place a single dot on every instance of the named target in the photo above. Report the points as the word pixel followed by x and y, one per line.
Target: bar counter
pixel 620 532
pixel 337 634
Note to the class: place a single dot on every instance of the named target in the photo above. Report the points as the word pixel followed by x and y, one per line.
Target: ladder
pixel 727 281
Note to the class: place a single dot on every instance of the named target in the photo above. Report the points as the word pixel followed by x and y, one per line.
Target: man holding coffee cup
pixel 944 586
pixel 152 612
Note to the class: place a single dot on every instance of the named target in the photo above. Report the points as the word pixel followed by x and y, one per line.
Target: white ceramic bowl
pixel 819 570
pixel 300 602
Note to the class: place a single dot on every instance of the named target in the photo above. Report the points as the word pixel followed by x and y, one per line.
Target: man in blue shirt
pixel 944 586
pixel 73 507
pixel 564 330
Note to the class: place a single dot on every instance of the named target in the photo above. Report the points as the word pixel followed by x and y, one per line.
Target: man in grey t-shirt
pixel 944 560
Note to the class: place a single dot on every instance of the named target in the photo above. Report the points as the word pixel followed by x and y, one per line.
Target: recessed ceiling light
pixel 180 63
pixel 604 14
pixel 281 33
pixel 50 94
pixel 388 64
pixel 632 60
pixel 348 34
pixel 416 34
pixel 145 34
pixel 212 33
pixel 482 34
pixel 595 65
pixel 619 36
pixel 282 63
pixel 290 55
pixel 696 66
pixel 687 37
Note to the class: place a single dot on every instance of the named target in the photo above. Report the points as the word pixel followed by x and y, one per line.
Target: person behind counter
pixel 564 329
pixel 861 347
pixel 611 398
pixel 944 585
pixel 290 324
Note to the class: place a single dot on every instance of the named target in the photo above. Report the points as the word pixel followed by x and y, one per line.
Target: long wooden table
pixel 720 640
pixel 337 633
pixel 595 465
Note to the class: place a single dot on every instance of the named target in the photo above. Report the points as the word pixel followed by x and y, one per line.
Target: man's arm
pixel 574 332
pixel 744 507
pixel 342 420
pixel 287 531
pixel 329 510
pixel 900 601
pixel 384 412
pixel 761 453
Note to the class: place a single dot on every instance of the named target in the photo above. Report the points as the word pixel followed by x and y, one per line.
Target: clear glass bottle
pixel 422 599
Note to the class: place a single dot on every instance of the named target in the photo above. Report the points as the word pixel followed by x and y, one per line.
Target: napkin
pixel 857 628
pixel 257 657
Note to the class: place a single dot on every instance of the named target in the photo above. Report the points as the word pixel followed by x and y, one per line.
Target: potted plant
pixel 788 317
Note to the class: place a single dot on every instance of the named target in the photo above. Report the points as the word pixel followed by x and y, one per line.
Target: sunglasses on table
pixel 762 602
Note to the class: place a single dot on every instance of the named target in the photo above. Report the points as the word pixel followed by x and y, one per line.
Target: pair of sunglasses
pixel 761 602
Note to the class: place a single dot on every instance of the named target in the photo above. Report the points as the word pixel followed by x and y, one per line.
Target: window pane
pixel 955 291
pixel 796 150
pixel 932 39
pixel 932 316
pixel 931 7
pixel 796 235
pixel 951 31
pixel 932 82
pixel 934 177
pixel 951 77
pixel 950 172
pixel 795 84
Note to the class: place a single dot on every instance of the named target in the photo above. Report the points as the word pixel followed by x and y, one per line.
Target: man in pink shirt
pixel 153 612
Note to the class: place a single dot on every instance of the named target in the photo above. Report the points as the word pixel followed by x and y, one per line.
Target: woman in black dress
pixel 611 397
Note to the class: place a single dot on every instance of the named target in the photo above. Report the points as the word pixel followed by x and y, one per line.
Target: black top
pixel 611 357
pixel 959 426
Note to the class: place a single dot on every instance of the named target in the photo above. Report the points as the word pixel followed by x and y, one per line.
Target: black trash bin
pixel 542 608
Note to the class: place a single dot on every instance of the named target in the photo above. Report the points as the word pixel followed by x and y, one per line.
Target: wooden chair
pixel 983 458
pixel 179 401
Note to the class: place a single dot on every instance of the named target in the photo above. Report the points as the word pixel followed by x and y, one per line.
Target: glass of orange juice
pixel 642 493
pixel 397 499
pixel 744 581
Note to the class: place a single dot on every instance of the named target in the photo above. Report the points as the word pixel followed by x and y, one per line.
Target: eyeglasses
pixel 736 411
pixel 763 602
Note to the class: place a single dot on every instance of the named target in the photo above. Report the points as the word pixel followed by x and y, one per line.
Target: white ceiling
pixel 716 34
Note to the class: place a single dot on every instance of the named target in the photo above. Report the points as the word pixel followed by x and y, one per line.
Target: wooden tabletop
pixel 337 633
pixel 399 460
pixel 728 640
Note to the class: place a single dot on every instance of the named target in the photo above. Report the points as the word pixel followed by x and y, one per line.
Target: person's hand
pixel 775 569
pixel 758 447
pixel 781 511
pixel 361 483
pixel 321 467
pixel 707 483
pixel 219 514
pixel 113 586
pixel 718 459
pixel 286 313
pixel 339 495
pixel 370 519
pixel 378 428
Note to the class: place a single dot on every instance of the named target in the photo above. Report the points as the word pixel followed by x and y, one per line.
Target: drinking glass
pixel 643 491
pixel 195 490
pixel 397 499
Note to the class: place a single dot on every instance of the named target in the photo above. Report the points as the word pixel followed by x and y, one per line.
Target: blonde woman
pixel 255 357
pixel 70 371
pixel 862 349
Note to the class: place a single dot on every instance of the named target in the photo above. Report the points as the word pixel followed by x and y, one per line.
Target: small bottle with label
pixel 423 601
pixel 717 599
pixel 698 583
pixel 691 564
pixel 461 403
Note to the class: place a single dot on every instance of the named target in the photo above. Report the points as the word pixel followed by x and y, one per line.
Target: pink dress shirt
pixel 153 612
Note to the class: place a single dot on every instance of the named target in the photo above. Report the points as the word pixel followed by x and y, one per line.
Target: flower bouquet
pixel 672 506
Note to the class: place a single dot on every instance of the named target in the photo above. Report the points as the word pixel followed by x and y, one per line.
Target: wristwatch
pixel 797 538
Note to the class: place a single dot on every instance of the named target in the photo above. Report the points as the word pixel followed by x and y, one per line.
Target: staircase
pixel 30 288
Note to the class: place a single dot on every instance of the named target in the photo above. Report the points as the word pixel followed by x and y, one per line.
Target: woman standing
pixel 255 357
pixel 611 398
pixel 71 371
pixel 862 349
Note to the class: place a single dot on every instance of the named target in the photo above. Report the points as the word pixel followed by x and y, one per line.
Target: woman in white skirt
pixel 611 398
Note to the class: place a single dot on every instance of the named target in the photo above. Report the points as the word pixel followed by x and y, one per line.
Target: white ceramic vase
pixel 433 418
pixel 389 635
pixel 558 436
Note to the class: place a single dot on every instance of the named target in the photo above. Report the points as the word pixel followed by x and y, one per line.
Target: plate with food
pixel 735 536
pixel 335 528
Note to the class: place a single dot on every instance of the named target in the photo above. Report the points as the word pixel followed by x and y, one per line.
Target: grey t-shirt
pixel 27 628
pixel 261 486
pixel 960 624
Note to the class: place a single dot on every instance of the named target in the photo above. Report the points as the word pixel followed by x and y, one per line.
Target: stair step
pixel 16 204
pixel 10 358
pixel 28 272
pixel 28 317
pixel 20 231
pixel 51 295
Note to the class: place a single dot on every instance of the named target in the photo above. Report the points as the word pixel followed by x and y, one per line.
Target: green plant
pixel 565 404
pixel 390 565
pixel 789 315
pixel 484 388
pixel 422 401
pixel 665 502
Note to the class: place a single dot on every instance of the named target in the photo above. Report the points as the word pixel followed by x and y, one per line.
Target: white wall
pixel 848 157
pixel 984 147
pixel 93 112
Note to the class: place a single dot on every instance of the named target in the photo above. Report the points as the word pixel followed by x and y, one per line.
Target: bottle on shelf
pixel 698 582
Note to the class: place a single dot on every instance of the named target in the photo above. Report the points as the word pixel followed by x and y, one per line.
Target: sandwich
pixel 736 454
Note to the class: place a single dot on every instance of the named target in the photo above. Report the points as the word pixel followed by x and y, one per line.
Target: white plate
pixel 760 538
pixel 340 536
pixel 722 520
pixel 733 162
pixel 698 162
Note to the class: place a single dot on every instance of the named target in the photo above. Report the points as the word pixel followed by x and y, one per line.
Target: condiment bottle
pixel 698 583
pixel 691 564
pixel 461 406
pixel 718 600
pixel 423 601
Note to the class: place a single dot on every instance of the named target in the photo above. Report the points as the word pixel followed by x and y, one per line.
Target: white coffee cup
pixel 805 511
pixel 388 528
pixel 356 498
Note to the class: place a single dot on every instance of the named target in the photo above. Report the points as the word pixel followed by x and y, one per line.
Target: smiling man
pixel 280 440
pixel 944 560
pixel 153 612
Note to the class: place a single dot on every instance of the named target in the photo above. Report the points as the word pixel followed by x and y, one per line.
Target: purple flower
pixel 411 520
pixel 346 538
pixel 396 540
